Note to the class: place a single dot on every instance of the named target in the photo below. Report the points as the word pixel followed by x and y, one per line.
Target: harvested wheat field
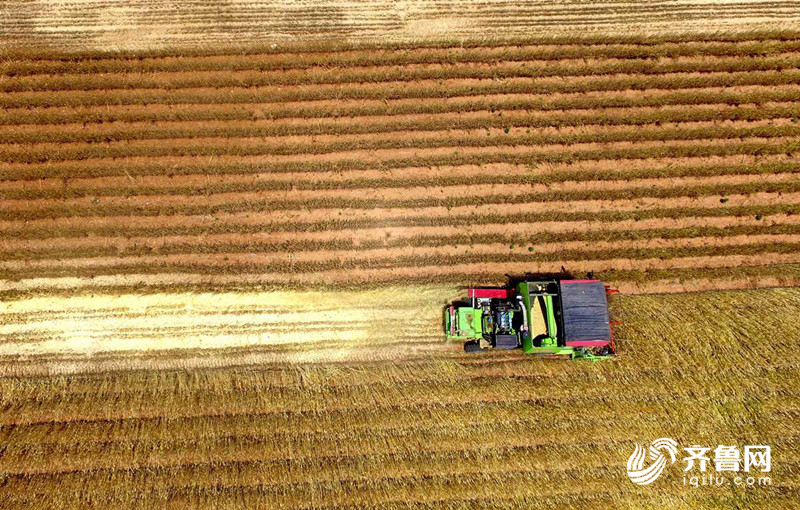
pixel 146 24
pixel 223 270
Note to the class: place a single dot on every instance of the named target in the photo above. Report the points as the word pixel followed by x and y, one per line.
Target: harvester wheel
pixel 473 346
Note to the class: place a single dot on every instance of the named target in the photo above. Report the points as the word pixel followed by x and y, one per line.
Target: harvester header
pixel 552 318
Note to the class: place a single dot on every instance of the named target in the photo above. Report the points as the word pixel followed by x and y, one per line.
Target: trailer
pixel 549 318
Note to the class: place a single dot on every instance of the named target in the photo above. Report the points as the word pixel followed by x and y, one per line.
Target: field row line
pixel 284 61
pixel 57 117
pixel 356 343
pixel 384 418
pixel 343 461
pixel 623 152
pixel 757 206
pixel 433 88
pixel 67 437
pixel 371 182
pixel 249 264
pixel 124 390
pixel 370 491
pixel 172 471
pixel 447 446
pixel 231 379
pixel 231 129
pixel 293 261
pixel 325 48
pixel 377 145
pixel 284 402
pixel 387 203
pixel 497 69
pixel 126 325
pixel 275 336
pixel 518 238
pixel 402 270
pixel 28 311
pixel 378 175
pixel 234 30
pixel 346 459
pixel 53 359
pixel 780 170
pixel 268 302
pixel 429 453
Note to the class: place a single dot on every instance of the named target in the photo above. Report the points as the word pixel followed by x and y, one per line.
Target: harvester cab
pixel 551 318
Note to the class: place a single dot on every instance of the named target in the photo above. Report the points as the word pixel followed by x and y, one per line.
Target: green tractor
pixel 550 318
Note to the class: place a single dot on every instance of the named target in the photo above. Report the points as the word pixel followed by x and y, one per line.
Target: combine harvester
pixel 551 318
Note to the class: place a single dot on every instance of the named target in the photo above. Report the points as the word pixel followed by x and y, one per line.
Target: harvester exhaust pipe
pixel 524 313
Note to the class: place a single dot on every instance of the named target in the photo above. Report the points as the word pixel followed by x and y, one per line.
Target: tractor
pixel 549 318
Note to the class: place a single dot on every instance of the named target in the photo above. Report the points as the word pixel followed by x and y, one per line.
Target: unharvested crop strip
pixel 195 358
pixel 378 176
pixel 528 235
pixel 370 491
pixel 327 466
pixel 339 144
pixel 351 463
pixel 396 268
pixel 613 270
pixel 63 439
pixel 324 183
pixel 18 211
pixel 224 165
pixel 273 61
pixel 347 466
pixel 408 123
pixel 332 109
pixel 230 379
pixel 127 385
pixel 408 73
pixel 383 256
pixel 327 46
pixel 674 209
pixel 160 454
pixel 441 88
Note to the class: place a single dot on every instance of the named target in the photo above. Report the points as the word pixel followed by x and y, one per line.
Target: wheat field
pixel 651 161
pixel 223 267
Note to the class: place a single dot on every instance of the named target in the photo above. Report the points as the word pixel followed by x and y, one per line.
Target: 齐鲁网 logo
pixel 646 475
pixel 726 458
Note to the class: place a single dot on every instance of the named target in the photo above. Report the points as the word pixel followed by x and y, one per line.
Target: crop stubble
pixel 263 427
